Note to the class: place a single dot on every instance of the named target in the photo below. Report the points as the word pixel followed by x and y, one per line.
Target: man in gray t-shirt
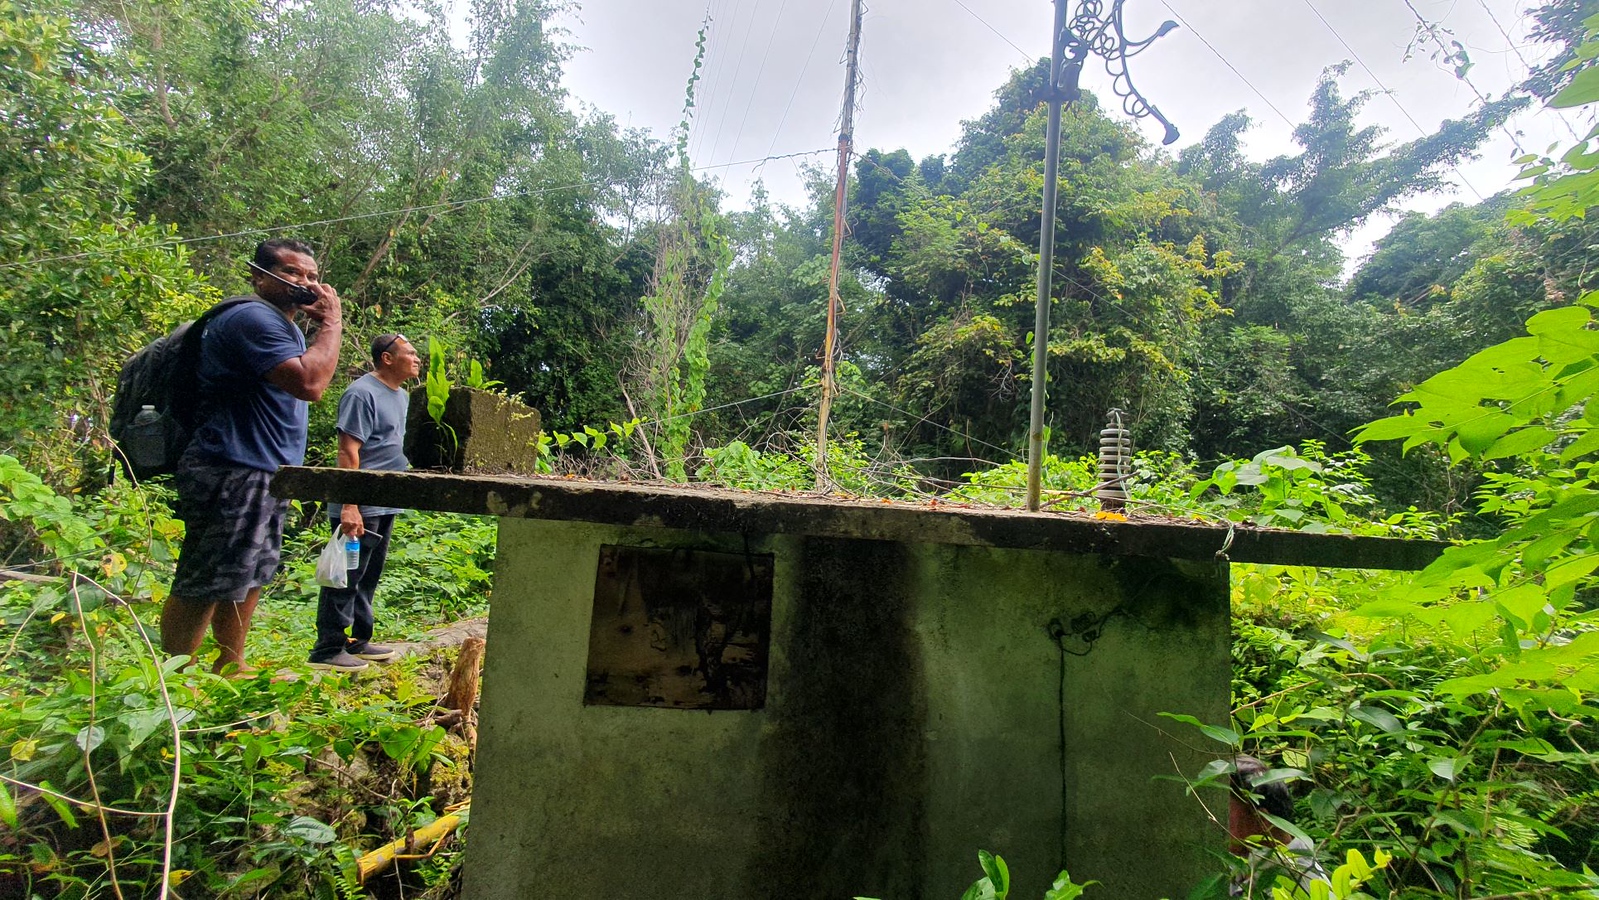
pixel 371 436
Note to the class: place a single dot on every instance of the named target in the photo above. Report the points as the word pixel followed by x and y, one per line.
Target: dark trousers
pixel 350 609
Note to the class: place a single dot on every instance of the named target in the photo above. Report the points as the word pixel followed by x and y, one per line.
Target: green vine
pixel 691 269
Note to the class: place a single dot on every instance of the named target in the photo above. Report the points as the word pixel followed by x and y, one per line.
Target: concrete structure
pixel 935 682
pixel 482 432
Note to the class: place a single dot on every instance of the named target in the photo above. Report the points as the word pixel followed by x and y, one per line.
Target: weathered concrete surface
pixel 490 434
pixel 914 714
pixel 744 512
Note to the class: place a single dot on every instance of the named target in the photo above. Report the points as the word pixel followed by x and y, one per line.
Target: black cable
pixel 1392 95
pixel 996 31
pixel 799 79
pixel 530 192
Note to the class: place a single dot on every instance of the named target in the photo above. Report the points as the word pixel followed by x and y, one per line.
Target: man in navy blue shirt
pixel 256 377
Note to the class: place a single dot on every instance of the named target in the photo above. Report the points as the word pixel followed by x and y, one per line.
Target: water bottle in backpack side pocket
pixel 146 440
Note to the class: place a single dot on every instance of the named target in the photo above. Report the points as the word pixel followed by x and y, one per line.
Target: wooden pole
pixel 840 195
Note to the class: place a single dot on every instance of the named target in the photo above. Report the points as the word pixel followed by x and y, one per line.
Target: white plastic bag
pixel 330 570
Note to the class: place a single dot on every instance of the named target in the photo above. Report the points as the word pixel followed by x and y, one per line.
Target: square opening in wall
pixel 679 629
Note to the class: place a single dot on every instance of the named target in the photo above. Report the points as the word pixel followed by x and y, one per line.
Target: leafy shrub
pixel 440 565
pixel 265 784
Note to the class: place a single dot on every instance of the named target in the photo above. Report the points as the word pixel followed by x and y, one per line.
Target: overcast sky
pixel 773 77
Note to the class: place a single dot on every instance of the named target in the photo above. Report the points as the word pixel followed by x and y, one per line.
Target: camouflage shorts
pixel 234 537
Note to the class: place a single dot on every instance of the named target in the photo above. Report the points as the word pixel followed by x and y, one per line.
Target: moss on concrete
pixel 483 433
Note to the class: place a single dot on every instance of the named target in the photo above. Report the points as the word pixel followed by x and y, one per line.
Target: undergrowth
pixel 272 785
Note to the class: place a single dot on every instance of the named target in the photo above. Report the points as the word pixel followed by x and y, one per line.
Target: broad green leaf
pixel 1214 732
pixel 1570 570
pixel 1559 321
pixel 1272 776
pixel 1449 566
pixel 61 807
pixel 1465 821
pixel 1447 767
pixel 250 877
pixel 1584 445
pixel 1377 717
pixel 1478 433
pixel 996 870
pixel 1392 427
pixel 1541 549
pixel 310 830
pixel 1578 382
pixel 1523 602
pixel 1065 889
pixel 142 723
pixel 8 807
pixel 1514 352
pixel 1521 442
pixel 90 737
pixel 1468 617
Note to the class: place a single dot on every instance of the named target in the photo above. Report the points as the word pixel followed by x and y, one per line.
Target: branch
pixel 177 743
pixel 88 761
pixel 14 575
pixel 82 804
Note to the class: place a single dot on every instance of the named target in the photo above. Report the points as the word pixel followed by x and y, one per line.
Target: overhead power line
pixel 750 104
pixel 801 77
pixel 1516 49
pixel 1228 63
pixel 1432 32
pixel 1509 41
pixel 447 204
pixel 1393 96
pixel 996 31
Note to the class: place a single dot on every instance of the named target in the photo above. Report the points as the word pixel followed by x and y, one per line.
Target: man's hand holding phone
pixel 325 308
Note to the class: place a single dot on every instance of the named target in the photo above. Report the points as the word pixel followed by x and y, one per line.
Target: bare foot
pixel 237 671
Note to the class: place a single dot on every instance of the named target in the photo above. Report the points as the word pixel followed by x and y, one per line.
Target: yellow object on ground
pixel 430 835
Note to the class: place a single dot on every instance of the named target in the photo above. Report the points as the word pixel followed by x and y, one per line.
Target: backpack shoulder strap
pixel 191 338
pixel 189 406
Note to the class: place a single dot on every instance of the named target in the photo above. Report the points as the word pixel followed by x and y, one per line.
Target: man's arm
pixel 305 377
pixel 350 458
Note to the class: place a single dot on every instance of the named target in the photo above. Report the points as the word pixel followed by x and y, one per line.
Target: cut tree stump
pixel 460 692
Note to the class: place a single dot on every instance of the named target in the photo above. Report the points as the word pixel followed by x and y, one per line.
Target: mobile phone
pixel 298 293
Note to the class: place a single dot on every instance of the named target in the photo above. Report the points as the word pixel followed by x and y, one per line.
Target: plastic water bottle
pixel 352 553
pixel 146 441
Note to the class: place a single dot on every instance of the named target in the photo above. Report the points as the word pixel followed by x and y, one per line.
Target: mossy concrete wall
pixel 483 432
pixel 916 711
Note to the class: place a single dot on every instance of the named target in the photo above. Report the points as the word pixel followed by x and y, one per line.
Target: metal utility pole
pixel 1090 30
pixel 846 132
pixel 1046 264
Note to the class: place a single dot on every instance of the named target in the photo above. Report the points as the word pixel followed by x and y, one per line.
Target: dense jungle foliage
pixel 1440 725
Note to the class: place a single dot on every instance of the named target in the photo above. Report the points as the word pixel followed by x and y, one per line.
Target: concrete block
pixel 484 433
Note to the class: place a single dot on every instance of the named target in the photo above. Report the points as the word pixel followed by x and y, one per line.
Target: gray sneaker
pixel 371 651
pixel 344 662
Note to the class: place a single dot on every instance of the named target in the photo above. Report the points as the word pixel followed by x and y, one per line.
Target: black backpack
pixel 157 405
